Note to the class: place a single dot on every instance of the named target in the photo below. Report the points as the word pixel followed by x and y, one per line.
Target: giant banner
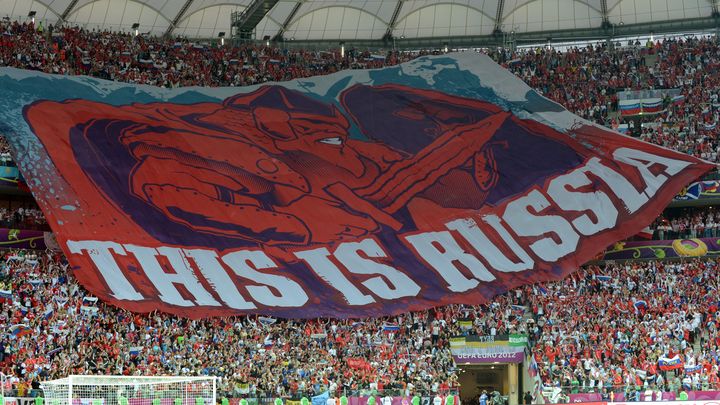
pixel 363 193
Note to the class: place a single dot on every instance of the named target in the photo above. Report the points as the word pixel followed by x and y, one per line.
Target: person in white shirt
pixel 330 401
pixel 387 400
pixel 437 400
pixel 648 393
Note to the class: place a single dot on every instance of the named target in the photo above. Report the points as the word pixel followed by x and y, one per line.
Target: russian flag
pixel 6 294
pixel 20 330
pixel 653 105
pixel 533 369
pixel 266 320
pixel 678 99
pixel 53 352
pixel 135 351
pixel 630 107
pixel 268 342
pixel 390 327
pixel 49 313
pixel 693 369
pixel 673 363
pixel 640 304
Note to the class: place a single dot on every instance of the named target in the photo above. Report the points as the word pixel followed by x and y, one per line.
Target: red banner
pixel 384 199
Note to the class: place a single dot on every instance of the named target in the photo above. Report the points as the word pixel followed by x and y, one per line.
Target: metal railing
pixel 675 388
pixel 264 398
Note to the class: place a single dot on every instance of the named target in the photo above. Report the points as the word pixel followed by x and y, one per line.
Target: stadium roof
pixel 316 20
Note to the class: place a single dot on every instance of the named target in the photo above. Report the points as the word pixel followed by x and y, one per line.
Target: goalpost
pixel 127 390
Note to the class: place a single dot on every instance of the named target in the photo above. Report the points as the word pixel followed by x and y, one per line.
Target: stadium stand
pixel 561 76
pixel 602 330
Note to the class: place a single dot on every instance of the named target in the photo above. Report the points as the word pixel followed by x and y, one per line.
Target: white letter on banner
pixel 100 254
pixel 319 262
pixel 400 284
pixel 470 230
pixel 444 261
pixel 597 202
pixel 208 263
pixel 245 263
pixel 644 161
pixel 620 186
pixel 525 223
pixel 165 282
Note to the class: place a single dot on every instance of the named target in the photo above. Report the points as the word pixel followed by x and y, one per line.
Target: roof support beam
pixel 288 20
pixel 527 38
pixel 68 10
pixel 604 12
pixel 178 17
pixel 499 16
pixel 393 19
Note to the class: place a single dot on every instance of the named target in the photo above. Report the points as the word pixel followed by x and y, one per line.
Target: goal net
pixel 123 390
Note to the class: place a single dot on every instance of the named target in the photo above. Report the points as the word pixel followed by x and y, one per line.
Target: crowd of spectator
pixel 23 218
pixel 632 315
pixel 169 62
pixel 63 330
pixel 687 124
pixel 5 155
pixel 687 64
pixel 697 222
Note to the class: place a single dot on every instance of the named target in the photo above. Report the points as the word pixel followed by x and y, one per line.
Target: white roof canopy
pixel 357 19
